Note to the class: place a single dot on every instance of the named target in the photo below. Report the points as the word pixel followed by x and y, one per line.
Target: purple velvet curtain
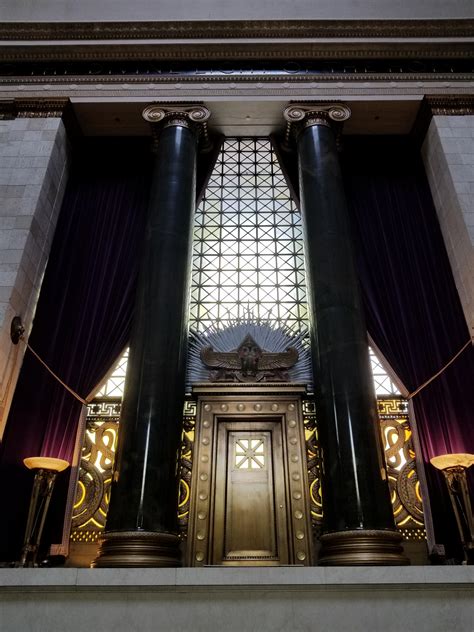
pixel 82 322
pixel 412 306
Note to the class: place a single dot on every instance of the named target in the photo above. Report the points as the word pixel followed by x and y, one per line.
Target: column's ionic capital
pixel 298 116
pixel 188 115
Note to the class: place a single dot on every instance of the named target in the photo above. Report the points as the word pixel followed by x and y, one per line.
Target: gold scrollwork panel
pixel 400 462
pixel 97 462
pixel 95 476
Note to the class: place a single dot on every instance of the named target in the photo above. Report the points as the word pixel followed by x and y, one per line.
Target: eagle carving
pixel 249 363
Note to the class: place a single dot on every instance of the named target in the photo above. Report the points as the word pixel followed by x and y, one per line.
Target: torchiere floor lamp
pixel 46 471
pixel 454 468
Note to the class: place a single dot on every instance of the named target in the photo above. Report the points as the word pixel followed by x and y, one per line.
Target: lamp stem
pixel 459 494
pixel 40 498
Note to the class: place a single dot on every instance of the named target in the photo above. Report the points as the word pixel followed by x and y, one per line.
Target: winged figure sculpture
pixel 249 362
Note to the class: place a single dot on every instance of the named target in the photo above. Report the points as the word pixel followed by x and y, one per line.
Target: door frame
pixel 250 424
pixel 234 403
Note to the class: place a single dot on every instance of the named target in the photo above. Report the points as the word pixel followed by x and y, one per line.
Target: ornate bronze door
pixel 249 493
pixel 250 516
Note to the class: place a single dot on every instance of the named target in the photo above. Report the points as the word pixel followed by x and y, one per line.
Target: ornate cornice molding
pixel 197 78
pixel 32 108
pixel 450 105
pixel 237 29
pixel 235 51
pixel 298 116
pixel 436 105
pixel 192 116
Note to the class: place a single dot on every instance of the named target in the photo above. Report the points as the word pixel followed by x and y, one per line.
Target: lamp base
pixel 138 549
pixel 362 548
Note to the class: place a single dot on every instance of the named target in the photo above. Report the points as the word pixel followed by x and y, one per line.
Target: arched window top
pixel 248 248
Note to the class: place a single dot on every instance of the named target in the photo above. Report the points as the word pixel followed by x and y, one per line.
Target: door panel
pixel 250 517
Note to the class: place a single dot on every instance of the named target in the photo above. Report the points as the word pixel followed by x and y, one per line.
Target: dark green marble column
pixel 358 526
pixel 142 520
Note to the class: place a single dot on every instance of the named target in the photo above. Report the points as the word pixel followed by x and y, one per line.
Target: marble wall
pixel 448 154
pixel 33 174
pixel 122 10
pixel 285 599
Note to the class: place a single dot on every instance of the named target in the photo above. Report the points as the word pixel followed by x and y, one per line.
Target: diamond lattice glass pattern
pixel 114 386
pixel 248 250
pixel 384 385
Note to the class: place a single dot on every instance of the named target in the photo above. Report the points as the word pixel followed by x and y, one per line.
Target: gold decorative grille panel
pixel 95 474
pixel 401 468
pixel 98 452
pixel 97 462
pixel 400 462
pixel 186 465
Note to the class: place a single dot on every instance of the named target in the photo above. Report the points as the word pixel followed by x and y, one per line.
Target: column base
pixel 362 548
pixel 138 549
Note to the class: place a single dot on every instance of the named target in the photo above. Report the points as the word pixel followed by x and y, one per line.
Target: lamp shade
pixel 45 463
pixel 443 461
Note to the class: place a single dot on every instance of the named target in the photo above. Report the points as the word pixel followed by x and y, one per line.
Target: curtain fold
pixel 84 315
pixel 412 307
pixel 83 318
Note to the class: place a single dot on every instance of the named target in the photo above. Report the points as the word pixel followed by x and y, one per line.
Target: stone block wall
pixel 209 10
pixel 33 174
pixel 448 154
